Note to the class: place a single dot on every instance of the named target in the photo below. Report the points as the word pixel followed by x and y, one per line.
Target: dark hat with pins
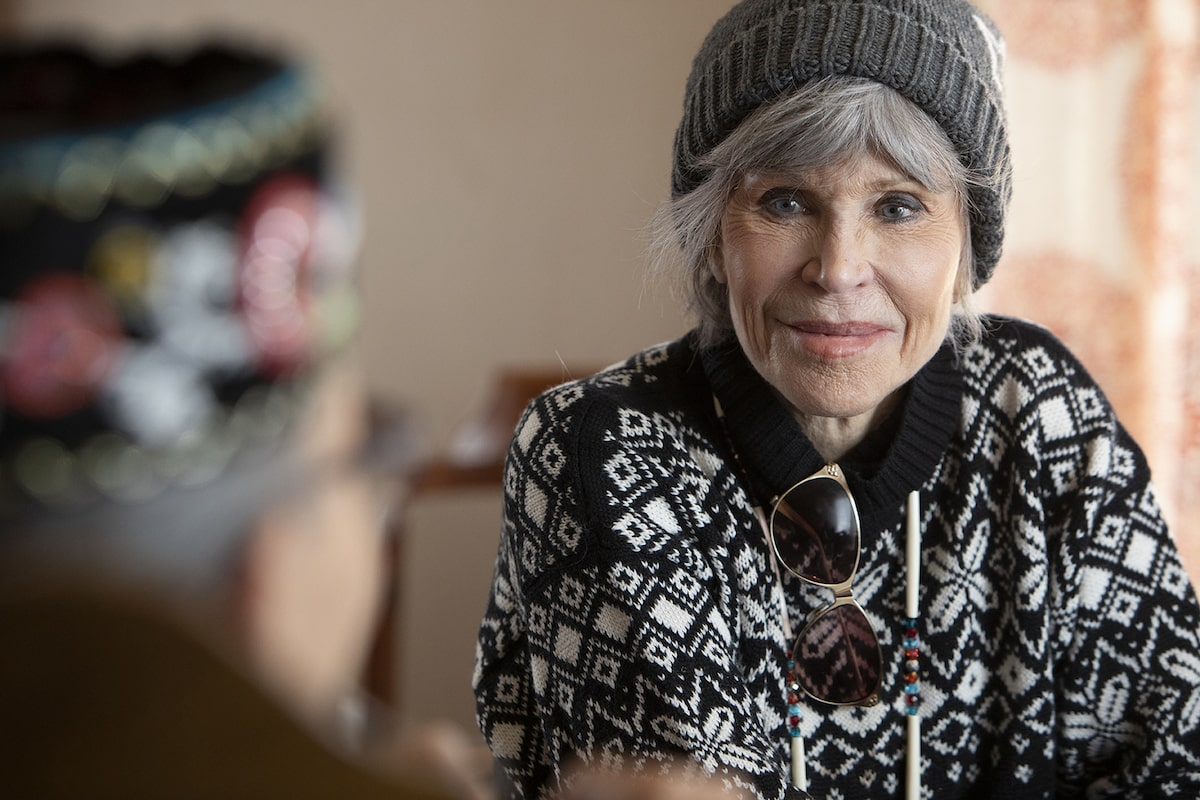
pixel 176 258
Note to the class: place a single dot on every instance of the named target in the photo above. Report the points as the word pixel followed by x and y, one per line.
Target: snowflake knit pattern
pixel 635 616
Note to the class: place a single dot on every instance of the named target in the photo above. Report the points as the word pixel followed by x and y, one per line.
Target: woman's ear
pixel 716 263
pixel 964 283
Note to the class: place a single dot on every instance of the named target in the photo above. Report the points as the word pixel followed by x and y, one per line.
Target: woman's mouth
pixel 837 339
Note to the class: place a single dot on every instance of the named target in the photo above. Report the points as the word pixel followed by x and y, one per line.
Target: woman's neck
pixel 834 437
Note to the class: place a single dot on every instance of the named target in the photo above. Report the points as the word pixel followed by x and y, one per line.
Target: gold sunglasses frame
pixel 842 592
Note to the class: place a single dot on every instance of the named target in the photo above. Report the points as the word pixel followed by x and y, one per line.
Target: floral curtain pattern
pixel 1104 242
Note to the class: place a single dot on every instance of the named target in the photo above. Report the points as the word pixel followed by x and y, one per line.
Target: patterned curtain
pixel 1104 239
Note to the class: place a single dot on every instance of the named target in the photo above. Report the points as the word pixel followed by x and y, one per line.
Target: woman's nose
pixel 839 262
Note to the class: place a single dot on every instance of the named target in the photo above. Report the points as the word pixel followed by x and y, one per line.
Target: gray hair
pixel 823 123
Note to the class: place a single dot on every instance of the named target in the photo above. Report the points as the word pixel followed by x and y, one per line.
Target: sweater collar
pixel 776 454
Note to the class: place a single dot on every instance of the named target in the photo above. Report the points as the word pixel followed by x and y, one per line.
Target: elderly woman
pixel 846 535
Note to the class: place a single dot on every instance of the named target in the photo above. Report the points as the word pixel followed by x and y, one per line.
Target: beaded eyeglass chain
pixel 912 663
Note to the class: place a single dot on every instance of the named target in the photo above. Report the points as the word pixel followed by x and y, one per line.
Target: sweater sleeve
pixel 1128 638
pixel 609 638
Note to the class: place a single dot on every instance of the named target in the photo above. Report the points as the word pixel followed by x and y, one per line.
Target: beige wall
pixel 508 153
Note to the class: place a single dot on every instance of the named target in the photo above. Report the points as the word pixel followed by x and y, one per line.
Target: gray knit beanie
pixel 943 55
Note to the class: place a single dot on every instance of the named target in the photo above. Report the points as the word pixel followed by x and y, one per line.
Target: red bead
pixel 911 633
pixel 910 677
pixel 912 654
pixel 793 698
pixel 912 699
pixel 794 721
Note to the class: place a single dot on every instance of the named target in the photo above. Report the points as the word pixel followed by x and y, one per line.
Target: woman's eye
pixel 782 203
pixel 898 208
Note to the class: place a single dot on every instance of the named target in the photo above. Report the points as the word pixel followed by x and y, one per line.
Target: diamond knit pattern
pixel 636 616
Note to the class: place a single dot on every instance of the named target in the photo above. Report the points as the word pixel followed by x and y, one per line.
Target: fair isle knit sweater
pixel 636 616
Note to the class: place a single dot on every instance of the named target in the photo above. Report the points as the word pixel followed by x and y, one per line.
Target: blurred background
pixel 509 155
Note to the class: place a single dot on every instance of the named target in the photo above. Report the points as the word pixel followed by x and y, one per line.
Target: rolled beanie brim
pixel 943 55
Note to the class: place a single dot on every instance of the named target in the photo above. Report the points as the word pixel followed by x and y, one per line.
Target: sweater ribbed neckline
pixel 775 453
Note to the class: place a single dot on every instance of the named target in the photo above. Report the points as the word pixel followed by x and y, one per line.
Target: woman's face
pixel 841 282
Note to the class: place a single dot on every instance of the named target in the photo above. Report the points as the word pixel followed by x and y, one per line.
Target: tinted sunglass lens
pixel 838 658
pixel 815 531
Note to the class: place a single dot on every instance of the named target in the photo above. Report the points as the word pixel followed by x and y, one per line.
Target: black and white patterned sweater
pixel 635 615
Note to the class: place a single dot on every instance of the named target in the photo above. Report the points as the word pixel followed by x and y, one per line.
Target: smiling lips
pixel 837 339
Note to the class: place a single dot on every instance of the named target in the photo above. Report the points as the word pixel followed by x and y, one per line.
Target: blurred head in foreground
pixel 181 437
